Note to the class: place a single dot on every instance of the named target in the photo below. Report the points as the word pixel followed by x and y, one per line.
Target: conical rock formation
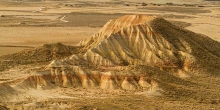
pixel 132 40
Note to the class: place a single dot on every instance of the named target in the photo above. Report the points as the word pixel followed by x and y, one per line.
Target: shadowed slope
pixel 6 92
pixel 205 50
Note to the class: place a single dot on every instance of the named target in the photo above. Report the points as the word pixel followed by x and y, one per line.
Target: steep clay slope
pixel 136 53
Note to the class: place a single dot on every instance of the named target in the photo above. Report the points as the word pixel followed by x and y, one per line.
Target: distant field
pixel 36 36
pixel 10 50
pixel 90 19
pixel 212 0
pixel 188 10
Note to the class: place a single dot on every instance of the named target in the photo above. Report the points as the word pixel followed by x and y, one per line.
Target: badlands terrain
pixel 109 55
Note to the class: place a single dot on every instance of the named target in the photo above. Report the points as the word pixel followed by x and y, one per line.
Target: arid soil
pixel 111 55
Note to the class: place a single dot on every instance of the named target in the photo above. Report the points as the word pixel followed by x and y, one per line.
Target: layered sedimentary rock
pixel 132 40
pixel 134 52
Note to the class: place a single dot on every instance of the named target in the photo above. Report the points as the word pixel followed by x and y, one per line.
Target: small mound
pixel 44 53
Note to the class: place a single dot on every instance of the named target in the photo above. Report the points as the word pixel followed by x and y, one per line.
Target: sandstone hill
pixel 147 40
pixel 133 53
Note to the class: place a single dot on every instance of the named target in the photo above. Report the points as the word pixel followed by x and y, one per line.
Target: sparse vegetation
pixel 127 5
pixel 170 3
pixel 144 4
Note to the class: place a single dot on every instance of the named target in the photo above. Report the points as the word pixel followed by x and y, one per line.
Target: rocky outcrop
pixel 40 80
pixel 109 81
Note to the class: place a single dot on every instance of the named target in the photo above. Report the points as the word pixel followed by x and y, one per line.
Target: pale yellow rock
pixel 144 83
pixel 108 81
